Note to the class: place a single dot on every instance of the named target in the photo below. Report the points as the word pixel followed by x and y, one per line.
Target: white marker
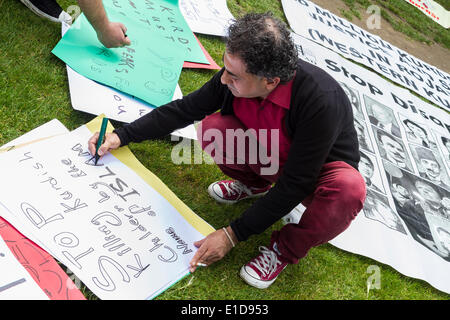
pixel 199 264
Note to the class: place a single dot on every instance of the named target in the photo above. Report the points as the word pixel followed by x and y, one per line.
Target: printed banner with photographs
pixel 321 26
pixel 405 161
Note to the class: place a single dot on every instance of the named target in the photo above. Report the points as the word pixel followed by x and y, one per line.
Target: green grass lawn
pixel 34 90
pixel 404 18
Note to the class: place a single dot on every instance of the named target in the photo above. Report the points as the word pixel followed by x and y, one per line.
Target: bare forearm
pixel 95 13
pixel 110 34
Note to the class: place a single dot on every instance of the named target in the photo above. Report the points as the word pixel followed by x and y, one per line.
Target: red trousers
pixel 338 197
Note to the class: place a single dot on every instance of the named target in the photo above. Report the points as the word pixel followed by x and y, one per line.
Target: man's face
pixel 381 114
pixel 432 168
pixel 428 192
pixel 394 150
pixel 417 131
pixel 400 193
pixel 241 83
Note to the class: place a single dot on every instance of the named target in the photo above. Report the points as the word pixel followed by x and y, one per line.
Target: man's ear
pixel 272 83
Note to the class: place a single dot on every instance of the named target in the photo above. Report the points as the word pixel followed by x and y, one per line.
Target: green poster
pixel 148 69
pixel 162 17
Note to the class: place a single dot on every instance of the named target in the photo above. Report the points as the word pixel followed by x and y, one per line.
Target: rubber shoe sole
pixel 39 12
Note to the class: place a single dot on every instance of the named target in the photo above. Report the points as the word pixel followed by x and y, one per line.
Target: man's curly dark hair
pixel 264 44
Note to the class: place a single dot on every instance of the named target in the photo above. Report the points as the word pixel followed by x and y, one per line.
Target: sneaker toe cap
pixel 249 271
pixel 215 190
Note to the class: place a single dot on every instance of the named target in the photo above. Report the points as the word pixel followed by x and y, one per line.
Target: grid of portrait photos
pixel 413 198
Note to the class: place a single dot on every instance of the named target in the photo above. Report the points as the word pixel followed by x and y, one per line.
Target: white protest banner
pixel 207 16
pixel 94 98
pixel 15 282
pixel 317 24
pixel 121 231
pixel 433 10
pixel 405 161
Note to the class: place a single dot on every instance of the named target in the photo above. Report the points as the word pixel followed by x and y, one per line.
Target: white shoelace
pixel 236 187
pixel 267 262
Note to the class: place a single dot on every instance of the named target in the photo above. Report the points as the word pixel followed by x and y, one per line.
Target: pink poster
pixel 40 265
pixel 212 65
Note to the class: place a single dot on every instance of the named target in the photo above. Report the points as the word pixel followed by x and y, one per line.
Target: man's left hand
pixel 212 248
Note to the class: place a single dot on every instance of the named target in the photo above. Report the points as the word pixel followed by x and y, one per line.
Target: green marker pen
pixel 101 138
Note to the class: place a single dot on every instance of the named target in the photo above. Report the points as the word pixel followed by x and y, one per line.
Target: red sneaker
pixel 232 191
pixel 263 270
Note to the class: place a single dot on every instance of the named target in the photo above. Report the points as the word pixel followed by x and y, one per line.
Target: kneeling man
pixel 271 103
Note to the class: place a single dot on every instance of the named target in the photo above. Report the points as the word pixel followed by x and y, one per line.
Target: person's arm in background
pixel 110 34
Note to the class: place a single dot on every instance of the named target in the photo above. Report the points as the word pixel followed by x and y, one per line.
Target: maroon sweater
pixel 319 121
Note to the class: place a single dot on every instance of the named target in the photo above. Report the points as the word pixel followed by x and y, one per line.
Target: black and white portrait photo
pixel 430 166
pixel 377 208
pixel 382 117
pixel 370 172
pixel 443 239
pixel 392 149
pixel 445 143
pixel 363 135
pixel 418 134
pixel 353 96
pixel 434 200
pixel 422 206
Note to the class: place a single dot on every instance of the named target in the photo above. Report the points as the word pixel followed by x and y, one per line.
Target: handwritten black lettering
pixel 66 195
pixel 12 284
pixel 112 220
pixel 66 239
pixel 104 197
pixel 53 183
pixel 156 243
pixel 172 258
pixel 166 9
pixel 74 260
pixel 37 218
pixel 76 206
pixel 121 109
pixel 139 268
pixel 79 148
pixel 181 244
pixel 135 209
pixel 27 156
pixel 108 284
pixel 110 173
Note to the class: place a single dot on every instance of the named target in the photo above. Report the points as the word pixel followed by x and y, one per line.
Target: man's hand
pixel 212 248
pixel 113 35
pixel 112 141
pixel 110 34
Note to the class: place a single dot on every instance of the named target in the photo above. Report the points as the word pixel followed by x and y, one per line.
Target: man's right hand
pixel 112 141
pixel 113 35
